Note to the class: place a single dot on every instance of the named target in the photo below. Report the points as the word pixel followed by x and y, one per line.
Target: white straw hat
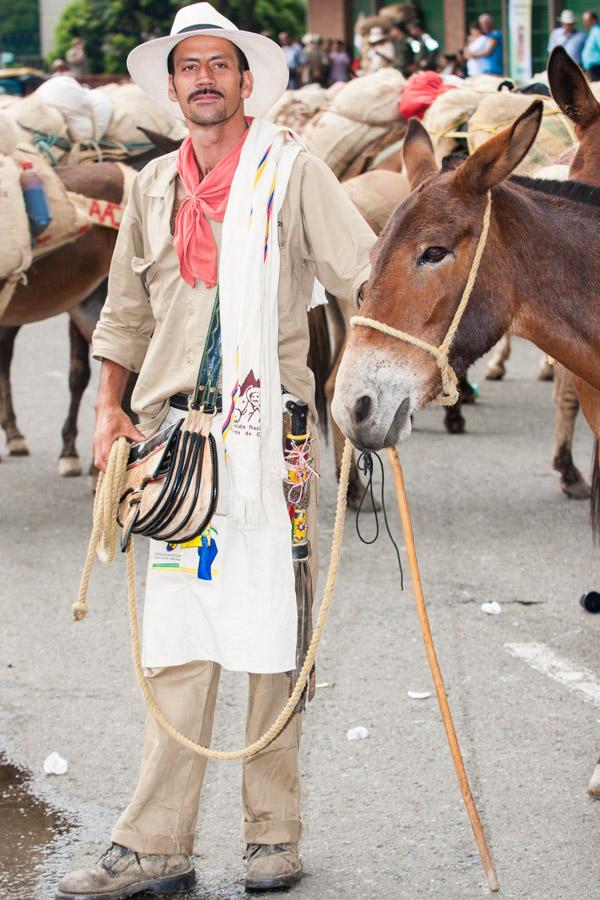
pixel 377 34
pixel 147 64
pixel 567 17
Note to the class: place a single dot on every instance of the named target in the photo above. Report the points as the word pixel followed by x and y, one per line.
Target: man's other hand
pixel 111 423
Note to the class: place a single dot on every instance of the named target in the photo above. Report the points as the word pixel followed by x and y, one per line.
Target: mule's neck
pixel 546 258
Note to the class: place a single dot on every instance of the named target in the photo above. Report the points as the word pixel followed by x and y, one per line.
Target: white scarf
pixel 248 287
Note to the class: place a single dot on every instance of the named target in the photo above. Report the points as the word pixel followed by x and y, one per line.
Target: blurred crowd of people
pixel 582 46
pixel 315 60
pixel 405 46
pixel 408 47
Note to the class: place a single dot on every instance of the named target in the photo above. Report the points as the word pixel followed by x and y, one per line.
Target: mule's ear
pixel 419 158
pixel 494 161
pixel 570 89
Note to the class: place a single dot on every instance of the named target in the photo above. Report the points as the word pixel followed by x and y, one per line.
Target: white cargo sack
pixel 9 135
pixel 499 111
pixel 73 101
pixel 33 113
pixel 102 109
pixel 338 140
pixel 372 99
pixel 447 112
pixel 296 108
pixel 15 240
pixel 132 110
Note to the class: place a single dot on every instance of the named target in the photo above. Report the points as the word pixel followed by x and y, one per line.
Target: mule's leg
pixel 454 420
pixel 338 316
pixel 15 441
pixel 85 317
pixel 69 464
pixel 546 369
pixel 566 407
pixel 594 785
pixel 496 369
pixel 466 391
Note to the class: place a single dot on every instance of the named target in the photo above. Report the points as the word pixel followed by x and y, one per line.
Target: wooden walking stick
pixel 436 672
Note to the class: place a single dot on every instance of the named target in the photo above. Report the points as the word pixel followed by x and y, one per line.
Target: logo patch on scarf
pixel 246 416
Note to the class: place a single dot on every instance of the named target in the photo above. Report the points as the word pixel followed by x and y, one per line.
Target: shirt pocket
pixel 145 269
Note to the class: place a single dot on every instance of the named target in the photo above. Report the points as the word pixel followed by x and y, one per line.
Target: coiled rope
pixel 103 543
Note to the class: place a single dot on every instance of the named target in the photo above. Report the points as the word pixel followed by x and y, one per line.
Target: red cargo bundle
pixel 419 92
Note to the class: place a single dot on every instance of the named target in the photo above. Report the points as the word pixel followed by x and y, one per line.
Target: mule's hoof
pixel 594 785
pixel 546 371
pixel 17 446
pixel 69 467
pixel 495 373
pixel 576 490
pixel 93 482
pixel 456 425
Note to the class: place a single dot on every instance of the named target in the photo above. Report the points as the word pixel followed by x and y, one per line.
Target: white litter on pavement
pixel 419 695
pixel 54 764
pixel 492 608
pixel 543 659
pixel 360 733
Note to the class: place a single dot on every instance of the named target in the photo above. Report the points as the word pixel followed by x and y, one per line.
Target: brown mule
pixel 533 279
pixel 49 293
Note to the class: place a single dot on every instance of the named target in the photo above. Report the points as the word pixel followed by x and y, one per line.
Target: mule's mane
pixel 575 191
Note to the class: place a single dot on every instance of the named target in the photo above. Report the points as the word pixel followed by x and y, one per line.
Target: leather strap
pixel 209 373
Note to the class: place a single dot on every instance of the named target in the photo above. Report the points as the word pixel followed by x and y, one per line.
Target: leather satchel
pixel 171 482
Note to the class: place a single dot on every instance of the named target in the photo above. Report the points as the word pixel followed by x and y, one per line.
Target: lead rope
pixel 449 393
pixel 103 542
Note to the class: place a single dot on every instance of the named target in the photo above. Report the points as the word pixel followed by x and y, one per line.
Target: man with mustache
pixel 243 214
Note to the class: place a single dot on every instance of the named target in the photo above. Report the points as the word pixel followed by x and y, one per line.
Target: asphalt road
pixel 383 816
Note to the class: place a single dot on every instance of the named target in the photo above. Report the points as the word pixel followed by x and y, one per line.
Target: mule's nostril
pixel 362 409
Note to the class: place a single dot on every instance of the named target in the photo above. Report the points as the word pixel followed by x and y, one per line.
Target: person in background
pixel 567 36
pixel 453 64
pixel 590 55
pixel 381 50
pixel 339 63
pixel 424 47
pixel 295 58
pixel 76 58
pixel 316 66
pixel 476 42
pixel 403 54
pixel 490 56
pixel 59 67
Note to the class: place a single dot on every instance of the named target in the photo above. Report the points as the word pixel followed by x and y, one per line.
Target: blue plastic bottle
pixel 36 202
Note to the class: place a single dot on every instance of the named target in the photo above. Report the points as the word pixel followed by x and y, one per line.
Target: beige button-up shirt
pixel 154 324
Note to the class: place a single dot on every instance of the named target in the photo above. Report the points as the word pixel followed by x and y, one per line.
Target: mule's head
pixel 421 264
pixel 573 95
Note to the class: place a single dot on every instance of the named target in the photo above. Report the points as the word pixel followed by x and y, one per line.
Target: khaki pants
pixel 161 817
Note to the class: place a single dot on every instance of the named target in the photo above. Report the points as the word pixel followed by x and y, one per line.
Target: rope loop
pixel 103 542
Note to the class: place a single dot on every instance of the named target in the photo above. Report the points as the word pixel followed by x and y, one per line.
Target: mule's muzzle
pixel 368 427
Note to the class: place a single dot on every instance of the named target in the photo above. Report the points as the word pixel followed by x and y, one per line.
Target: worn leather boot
pixel 121 873
pixel 272 866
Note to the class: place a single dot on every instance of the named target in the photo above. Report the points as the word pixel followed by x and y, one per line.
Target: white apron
pixel 219 598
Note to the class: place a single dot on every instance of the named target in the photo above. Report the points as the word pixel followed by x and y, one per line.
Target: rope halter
pixel 449 393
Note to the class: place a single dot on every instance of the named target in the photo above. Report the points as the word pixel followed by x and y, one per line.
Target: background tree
pixel 111 28
pixel 19 27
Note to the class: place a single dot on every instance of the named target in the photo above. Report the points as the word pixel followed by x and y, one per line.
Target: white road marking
pixel 544 660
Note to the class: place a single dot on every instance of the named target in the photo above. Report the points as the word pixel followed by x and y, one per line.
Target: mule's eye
pixel 433 255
